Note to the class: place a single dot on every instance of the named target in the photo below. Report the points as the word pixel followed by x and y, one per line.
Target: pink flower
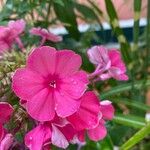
pixel 6 142
pixel 11 33
pixel 100 131
pixel 45 34
pixel 6 139
pixel 54 132
pixel 95 113
pixel 109 63
pixel 98 55
pixel 51 82
pixel 90 108
pixel 6 111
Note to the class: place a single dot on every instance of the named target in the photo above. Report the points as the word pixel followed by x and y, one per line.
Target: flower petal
pixel 7 142
pixel 107 109
pixel 65 106
pixel 1 132
pixel 41 106
pixel 6 111
pixel 67 63
pixel 90 108
pixel 74 86
pixel 26 83
pixel 36 138
pixel 97 133
pixel 58 138
pixel 42 60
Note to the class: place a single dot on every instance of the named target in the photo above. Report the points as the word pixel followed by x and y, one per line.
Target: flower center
pixel 52 84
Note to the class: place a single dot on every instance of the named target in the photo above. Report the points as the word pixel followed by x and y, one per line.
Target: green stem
pixel 137 137
pixel 113 19
pixel 129 120
pixel 125 87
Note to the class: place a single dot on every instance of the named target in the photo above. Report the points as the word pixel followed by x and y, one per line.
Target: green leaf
pixel 67 16
pixel 113 18
pixel 129 120
pixel 137 137
pixel 125 87
pixel 131 103
pixel 60 2
pixel 106 144
pixel 86 11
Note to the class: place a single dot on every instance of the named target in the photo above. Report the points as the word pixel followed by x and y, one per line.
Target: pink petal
pixel 98 55
pixel 45 34
pixel 74 86
pixel 65 106
pixel 36 138
pixel 42 60
pixel 81 136
pixel 116 60
pixel 26 83
pixel 58 138
pixel 97 133
pixel 67 63
pixel 18 26
pixel 54 38
pixel 41 106
pixel 6 111
pixel 107 109
pixel 123 77
pixel 1 132
pixel 3 47
pixel 90 108
pixel 7 142
pixel 68 131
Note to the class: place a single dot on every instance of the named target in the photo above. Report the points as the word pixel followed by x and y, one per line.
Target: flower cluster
pixel 10 34
pixel 108 64
pixel 54 93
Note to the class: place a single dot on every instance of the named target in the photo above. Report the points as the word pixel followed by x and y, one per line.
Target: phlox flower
pixel 45 34
pixel 91 117
pixel 10 34
pixel 50 83
pixel 57 132
pixel 108 62
pixel 6 139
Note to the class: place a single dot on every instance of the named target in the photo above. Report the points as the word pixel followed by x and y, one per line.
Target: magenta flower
pixel 100 131
pixel 90 108
pixel 95 113
pixel 109 63
pixel 10 34
pixel 6 139
pixel 55 132
pixel 51 82
pixel 45 34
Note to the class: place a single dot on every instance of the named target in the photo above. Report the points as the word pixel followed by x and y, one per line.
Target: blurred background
pixel 123 24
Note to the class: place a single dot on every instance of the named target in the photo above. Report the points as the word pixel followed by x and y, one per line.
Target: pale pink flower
pixel 6 142
pixel 98 55
pixel 51 82
pixel 95 113
pixel 54 132
pixel 45 34
pixel 10 34
pixel 6 139
pixel 109 63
